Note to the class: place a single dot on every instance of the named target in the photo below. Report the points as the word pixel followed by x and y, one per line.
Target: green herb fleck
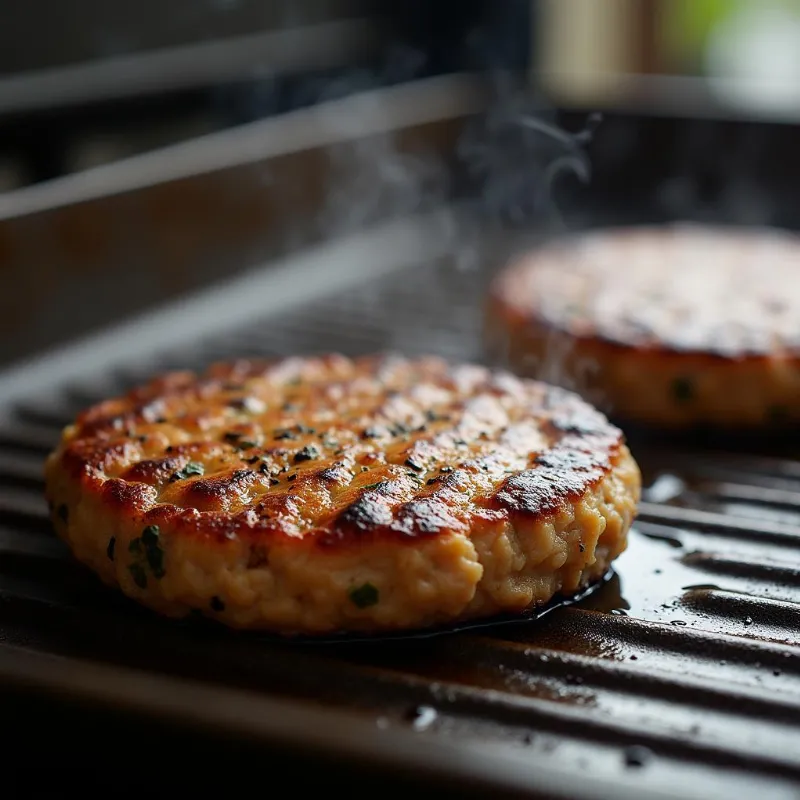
pixel 232 437
pixel 152 550
pixel 292 477
pixel 682 389
pixel 247 444
pixel 155 558
pixel 373 485
pixel 274 482
pixel 63 513
pixel 308 453
pixel 139 575
pixel 371 433
pixel 217 604
pixel 112 543
pixel 150 535
pixel 285 434
pixel 364 596
pixel 415 465
pixel 192 468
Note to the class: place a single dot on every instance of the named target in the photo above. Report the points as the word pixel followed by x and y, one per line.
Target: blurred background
pixel 150 149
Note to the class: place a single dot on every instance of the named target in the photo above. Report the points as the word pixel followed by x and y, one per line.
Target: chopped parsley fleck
pixel 413 464
pixel 112 543
pixel 192 468
pixel 252 459
pixel 292 477
pixel 682 389
pixel 247 444
pixel 217 604
pixel 332 443
pixel 285 434
pixel 371 433
pixel 308 453
pixel 149 545
pixel 232 437
pixel 155 558
pixel 63 512
pixel 306 429
pixel 364 596
pixel 459 442
pixel 374 485
pixel 139 575
pixel 432 416
pixel 274 482
pixel 431 480
pixel 365 469
pixel 150 535
pixel 264 469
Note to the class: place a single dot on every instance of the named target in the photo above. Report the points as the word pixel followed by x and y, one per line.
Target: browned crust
pixel 338 450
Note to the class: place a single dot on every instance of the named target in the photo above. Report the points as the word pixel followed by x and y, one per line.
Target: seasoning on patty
pixel 323 495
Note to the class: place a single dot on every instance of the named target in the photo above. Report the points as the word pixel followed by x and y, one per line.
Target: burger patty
pixel 322 495
pixel 674 326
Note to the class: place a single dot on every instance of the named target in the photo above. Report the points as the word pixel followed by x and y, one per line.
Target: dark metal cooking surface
pixel 680 677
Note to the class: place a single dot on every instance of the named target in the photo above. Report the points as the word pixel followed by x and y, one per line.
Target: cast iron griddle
pixel 679 677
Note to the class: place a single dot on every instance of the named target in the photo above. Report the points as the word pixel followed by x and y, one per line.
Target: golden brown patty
pixel 314 495
pixel 672 326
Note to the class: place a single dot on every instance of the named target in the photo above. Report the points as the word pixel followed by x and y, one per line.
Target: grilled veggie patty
pixel 674 326
pixel 321 495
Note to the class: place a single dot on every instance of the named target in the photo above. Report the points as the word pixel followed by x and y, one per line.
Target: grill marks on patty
pixel 346 449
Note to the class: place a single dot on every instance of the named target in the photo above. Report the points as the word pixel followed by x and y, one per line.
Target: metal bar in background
pixel 211 63
pixel 202 211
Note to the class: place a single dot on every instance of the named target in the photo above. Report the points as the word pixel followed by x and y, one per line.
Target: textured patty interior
pixel 338 449
pixel 686 288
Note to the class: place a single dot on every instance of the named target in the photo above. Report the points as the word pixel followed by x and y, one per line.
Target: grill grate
pixel 682 671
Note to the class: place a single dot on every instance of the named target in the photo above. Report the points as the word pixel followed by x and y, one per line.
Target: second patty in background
pixel 669 327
